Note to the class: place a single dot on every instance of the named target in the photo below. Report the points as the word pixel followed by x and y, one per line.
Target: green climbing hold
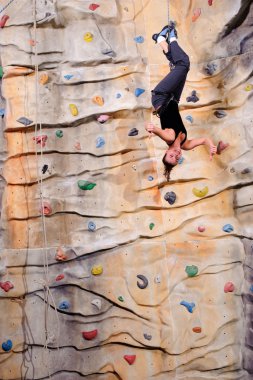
pixel 1 72
pixel 121 299
pixel 59 133
pixel 151 226
pixel 86 185
pixel 191 270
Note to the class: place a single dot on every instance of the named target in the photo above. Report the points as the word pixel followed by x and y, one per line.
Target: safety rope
pixel 46 286
pixel 6 6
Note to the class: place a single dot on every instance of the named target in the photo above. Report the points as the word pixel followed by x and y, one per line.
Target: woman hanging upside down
pixel 165 98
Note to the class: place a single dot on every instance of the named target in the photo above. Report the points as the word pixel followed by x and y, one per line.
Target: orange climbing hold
pixel 130 359
pixel 43 78
pixel 46 209
pixel 197 329
pixel 196 14
pixel 60 255
pixel 98 100
pixel 89 335
pixel 3 21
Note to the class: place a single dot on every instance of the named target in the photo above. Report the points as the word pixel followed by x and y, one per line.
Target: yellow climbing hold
pixel 200 192
pixel 73 109
pixel 98 100
pixel 43 78
pixel 88 37
pixel 96 270
pixel 249 87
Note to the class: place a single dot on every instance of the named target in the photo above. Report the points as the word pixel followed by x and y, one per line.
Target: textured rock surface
pixel 113 257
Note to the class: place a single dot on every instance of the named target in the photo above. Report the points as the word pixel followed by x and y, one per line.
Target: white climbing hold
pixel 97 302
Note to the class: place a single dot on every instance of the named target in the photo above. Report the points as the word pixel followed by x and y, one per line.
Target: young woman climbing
pixel 165 99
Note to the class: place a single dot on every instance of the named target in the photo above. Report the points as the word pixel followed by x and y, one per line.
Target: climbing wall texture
pixel 100 276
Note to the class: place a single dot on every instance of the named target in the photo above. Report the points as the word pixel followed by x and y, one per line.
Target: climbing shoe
pixel 162 33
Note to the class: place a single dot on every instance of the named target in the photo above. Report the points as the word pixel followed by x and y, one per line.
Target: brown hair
pixel 167 168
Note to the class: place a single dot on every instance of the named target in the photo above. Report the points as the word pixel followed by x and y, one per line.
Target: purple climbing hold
pixel 210 68
pixel 133 132
pixel 139 39
pixel 25 121
pixel 144 281
pixel 246 171
pixel 7 346
pixel 170 197
pixel 147 336
pixel 220 114
pixel 138 91
pixel 189 305
pixel 100 142
pixel 118 95
pixel 193 97
pixel 44 169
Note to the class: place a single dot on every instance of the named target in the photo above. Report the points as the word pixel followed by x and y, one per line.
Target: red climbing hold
pixel 3 21
pixel 210 2
pixel 197 329
pixel 229 287
pixel 130 358
pixel 41 140
pixel 89 335
pixel 59 277
pixel 93 6
pixel 46 209
pixel 6 286
pixel 196 14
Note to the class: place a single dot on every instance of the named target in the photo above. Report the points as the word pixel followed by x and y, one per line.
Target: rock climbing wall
pixel 107 271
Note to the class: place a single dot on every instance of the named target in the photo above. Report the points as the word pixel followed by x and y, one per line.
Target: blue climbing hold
pixel 2 112
pixel 138 91
pixel 170 197
pixel 189 305
pixel 210 68
pixel 118 95
pixel 24 120
pixel 100 142
pixel 189 118
pixel 150 178
pixel 64 305
pixel 133 132
pixel 181 160
pixel 68 76
pixel 91 226
pixel 193 97
pixel 139 39
pixel 251 289
pixel 228 228
pixel 147 336
pixel 7 346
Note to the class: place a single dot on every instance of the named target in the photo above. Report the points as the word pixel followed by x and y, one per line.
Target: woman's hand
pixel 150 128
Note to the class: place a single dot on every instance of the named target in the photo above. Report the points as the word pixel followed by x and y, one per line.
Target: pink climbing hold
pixel 59 277
pixel 221 146
pixel 60 255
pixel 89 335
pixel 196 14
pixel 103 118
pixel 3 21
pixel 229 287
pixel 46 209
pixel 210 2
pixel 93 6
pixel 6 286
pixel 78 146
pixel 201 228
pixel 130 359
pixel 41 140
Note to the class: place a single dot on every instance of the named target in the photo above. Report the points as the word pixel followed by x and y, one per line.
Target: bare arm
pixel 190 144
pixel 167 135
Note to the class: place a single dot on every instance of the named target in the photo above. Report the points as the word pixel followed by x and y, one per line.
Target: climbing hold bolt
pixel 100 141
pixel 147 336
pixel 24 121
pixel 7 346
pixel 170 197
pixel 201 228
pixel 151 226
pixel 85 185
pixel 6 286
pixel 59 277
pixel 197 329
pixel 46 209
pixel 96 270
pixel 189 118
pixel 97 302
pixel 93 6
pixel 121 299
pixel 200 192
pixel 139 39
pixel 91 226
pixel 228 228
pixel 130 359
pixel 88 37
pixel 43 79
pixel 196 14
pixel 98 100
pixel 59 133
pixel 64 305
pixel 220 114
pixel 144 283
pixel 133 132
pixel 138 91
pixel 103 118
pixel 229 287
pixel 191 270
pixel 189 305
pixel 89 335
pixel 44 169
pixel 73 109
pixel 3 20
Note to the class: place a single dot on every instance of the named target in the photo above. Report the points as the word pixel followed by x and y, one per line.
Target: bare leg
pixel 164 45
